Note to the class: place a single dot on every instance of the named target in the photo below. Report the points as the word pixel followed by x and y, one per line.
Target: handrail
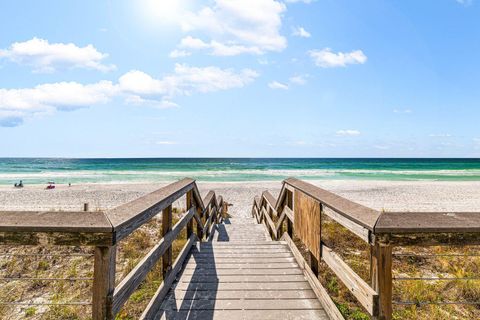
pixel 380 230
pixel 104 230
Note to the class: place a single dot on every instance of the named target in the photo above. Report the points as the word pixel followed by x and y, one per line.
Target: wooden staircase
pixel 241 274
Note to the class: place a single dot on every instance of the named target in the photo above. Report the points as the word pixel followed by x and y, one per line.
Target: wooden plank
pixel 289 213
pixel 245 294
pixel 242 259
pixel 356 212
pixel 240 278
pixel 362 232
pixel 242 271
pixel 242 304
pixel 240 266
pixel 155 303
pixel 322 294
pixel 166 228
pixel 431 222
pixel 235 286
pixel 243 314
pixel 367 296
pixel 54 221
pixel 103 283
pixel 128 217
pixel 307 224
pixel 271 226
pixel 433 239
pixel 382 279
pixel 56 238
pixel 135 277
pixel 216 256
pixel 189 205
pixel 271 201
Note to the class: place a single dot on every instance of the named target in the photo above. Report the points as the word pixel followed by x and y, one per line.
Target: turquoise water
pixel 41 170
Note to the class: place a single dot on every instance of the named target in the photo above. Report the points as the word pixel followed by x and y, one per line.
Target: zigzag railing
pixel 104 230
pixel 301 208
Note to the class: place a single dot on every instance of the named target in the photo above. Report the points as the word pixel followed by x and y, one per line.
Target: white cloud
pixel 465 2
pixel 326 58
pixel 217 48
pixel 179 54
pixel 297 1
pixel 299 79
pixel 301 32
pixel 137 87
pixel 166 143
pixel 48 57
pixel 186 80
pixel 237 26
pixel 348 132
pixel 440 135
pixel 402 111
pixel 277 85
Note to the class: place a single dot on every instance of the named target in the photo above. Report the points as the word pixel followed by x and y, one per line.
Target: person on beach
pixel 19 185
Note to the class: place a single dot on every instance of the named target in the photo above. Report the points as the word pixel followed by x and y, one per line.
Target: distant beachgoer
pixel 69 184
pixel 19 185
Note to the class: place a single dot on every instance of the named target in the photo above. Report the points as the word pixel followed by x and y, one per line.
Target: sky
pixel 240 78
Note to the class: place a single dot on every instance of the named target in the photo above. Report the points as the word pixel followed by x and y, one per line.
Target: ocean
pixel 145 170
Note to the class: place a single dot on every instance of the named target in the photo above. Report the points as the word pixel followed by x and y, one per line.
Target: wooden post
pixel 189 205
pixel 85 207
pixel 381 273
pixel 166 228
pixel 199 226
pixel 103 283
pixel 290 205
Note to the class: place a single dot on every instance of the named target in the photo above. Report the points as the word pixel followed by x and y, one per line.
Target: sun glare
pixel 164 11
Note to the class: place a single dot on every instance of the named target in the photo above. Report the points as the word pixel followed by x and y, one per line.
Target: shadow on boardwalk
pixel 194 295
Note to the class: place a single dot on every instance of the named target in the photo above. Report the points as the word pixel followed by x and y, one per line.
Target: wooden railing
pixel 104 230
pixel 301 209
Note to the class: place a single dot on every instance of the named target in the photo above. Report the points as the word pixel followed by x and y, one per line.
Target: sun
pixel 165 11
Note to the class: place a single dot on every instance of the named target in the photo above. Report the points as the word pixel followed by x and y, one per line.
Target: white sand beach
pixel 382 195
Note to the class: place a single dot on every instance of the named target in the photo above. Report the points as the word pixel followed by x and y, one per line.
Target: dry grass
pixel 433 262
pixel 129 253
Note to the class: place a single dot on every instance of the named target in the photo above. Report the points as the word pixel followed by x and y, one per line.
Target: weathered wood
pixel 433 239
pixel 54 221
pixel 382 279
pixel 128 217
pixel 429 222
pixel 243 314
pixel 289 214
pixel 307 222
pixel 362 232
pixel 129 284
pixel 166 228
pixel 189 205
pixel 198 220
pixel 360 214
pixel 103 283
pixel 155 303
pixel 56 238
pixel 367 296
pixel 271 226
pixel 322 294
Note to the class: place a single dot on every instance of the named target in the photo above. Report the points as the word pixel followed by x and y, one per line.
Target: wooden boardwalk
pixel 241 274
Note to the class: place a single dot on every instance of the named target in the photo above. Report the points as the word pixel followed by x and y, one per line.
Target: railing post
pixel 166 228
pixel 199 225
pixel 381 274
pixel 289 204
pixel 103 282
pixel 189 206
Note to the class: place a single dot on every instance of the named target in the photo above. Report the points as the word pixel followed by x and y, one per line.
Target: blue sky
pixel 240 78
